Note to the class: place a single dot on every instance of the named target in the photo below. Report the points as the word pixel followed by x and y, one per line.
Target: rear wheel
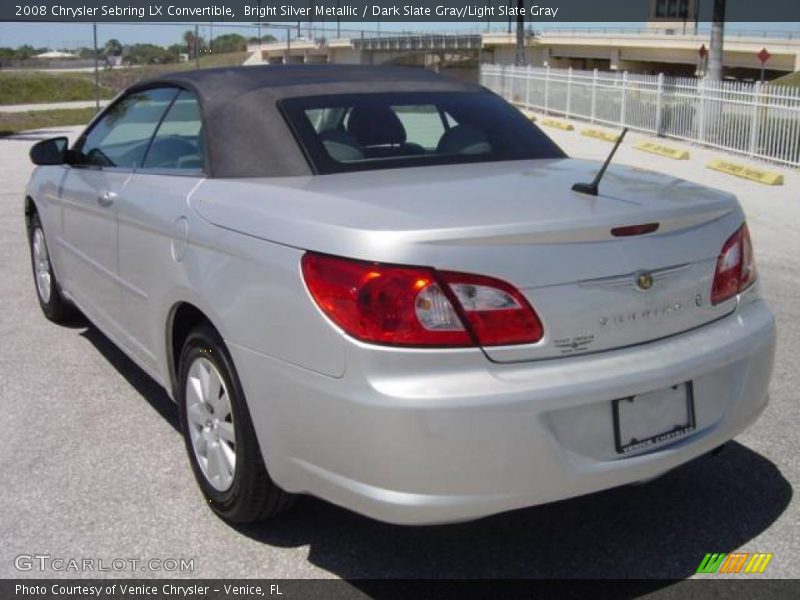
pixel 219 435
pixel 54 306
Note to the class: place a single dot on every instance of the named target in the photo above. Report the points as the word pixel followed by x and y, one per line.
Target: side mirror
pixel 49 152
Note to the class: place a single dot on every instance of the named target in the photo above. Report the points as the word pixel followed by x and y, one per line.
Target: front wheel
pixel 219 435
pixel 54 306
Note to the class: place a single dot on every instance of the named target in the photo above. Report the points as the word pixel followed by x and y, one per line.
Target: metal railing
pixel 688 28
pixel 419 42
pixel 754 119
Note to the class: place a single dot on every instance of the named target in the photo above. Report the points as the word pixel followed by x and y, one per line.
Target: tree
pixel 265 39
pixel 149 54
pixel 715 46
pixel 230 42
pixel 113 47
pixel 191 42
pixel 85 52
pixel 194 45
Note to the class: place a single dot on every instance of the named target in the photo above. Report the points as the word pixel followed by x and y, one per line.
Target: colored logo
pixel 735 562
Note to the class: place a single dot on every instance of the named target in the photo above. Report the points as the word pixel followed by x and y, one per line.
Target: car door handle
pixel 106 199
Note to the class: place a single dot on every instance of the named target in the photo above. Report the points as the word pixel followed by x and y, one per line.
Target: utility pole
pixel 96 73
pixel 715 48
pixel 520 58
pixel 259 24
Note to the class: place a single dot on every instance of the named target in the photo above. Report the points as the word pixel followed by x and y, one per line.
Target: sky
pixel 74 35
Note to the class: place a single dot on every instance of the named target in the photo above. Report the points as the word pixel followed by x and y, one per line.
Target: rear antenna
pixel 591 188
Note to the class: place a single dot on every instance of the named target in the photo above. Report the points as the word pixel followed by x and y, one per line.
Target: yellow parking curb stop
pixel 558 124
pixel 661 150
pixel 599 134
pixel 751 173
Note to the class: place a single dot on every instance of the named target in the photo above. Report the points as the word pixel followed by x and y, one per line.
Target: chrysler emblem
pixel 644 281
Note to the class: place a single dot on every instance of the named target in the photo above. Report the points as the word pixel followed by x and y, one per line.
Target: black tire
pixel 252 495
pixel 54 306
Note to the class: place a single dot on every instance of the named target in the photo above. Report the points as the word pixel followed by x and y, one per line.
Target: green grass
pixel 792 79
pixel 222 60
pixel 11 123
pixel 32 87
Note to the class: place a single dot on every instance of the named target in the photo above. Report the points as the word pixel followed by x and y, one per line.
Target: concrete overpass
pixel 651 50
pixel 423 49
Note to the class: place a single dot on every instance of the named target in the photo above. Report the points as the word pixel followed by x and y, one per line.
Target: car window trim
pixel 172 172
pixel 176 172
pixel 443 118
pixel 155 131
pixel 78 145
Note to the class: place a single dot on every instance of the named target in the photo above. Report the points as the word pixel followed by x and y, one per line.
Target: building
pixel 55 55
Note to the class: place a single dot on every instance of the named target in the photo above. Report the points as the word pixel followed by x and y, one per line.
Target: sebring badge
pixel 644 281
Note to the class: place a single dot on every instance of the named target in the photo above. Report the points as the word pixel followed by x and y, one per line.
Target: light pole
pixel 96 72
pixel 520 58
pixel 716 44
pixel 259 24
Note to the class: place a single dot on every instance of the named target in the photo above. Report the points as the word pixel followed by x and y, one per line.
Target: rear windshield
pixel 357 132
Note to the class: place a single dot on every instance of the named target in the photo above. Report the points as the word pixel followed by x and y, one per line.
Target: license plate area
pixel 653 418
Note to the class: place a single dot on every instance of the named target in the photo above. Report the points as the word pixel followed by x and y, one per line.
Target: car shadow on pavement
pixel 658 530
pixel 661 529
pixel 145 385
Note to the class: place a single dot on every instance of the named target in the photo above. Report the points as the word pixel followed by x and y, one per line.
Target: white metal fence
pixel 759 120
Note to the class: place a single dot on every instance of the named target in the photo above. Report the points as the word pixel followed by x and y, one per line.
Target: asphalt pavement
pixel 93 466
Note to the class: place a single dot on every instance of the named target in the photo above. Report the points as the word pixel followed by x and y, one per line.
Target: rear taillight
pixel 419 306
pixel 496 312
pixel 736 268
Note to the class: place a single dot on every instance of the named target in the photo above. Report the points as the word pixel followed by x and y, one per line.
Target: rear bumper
pixel 429 437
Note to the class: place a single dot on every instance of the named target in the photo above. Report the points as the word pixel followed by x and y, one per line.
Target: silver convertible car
pixel 378 286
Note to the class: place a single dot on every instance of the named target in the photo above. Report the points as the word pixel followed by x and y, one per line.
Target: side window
pixel 178 144
pixel 121 136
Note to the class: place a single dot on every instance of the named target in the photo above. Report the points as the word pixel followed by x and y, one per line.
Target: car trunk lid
pixel 521 222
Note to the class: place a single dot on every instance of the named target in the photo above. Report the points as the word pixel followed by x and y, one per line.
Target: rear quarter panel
pixel 254 291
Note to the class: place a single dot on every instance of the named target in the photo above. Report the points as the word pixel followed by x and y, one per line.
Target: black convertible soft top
pixel 245 133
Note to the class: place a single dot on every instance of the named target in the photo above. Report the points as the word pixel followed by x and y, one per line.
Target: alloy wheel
pixel 41 265
pixel 210 422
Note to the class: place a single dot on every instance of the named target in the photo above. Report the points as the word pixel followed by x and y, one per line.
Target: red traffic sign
pixel 702 51
pixel 763 55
